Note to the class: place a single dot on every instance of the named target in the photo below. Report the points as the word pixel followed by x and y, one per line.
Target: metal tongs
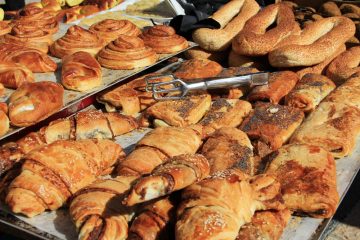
pixel 176 88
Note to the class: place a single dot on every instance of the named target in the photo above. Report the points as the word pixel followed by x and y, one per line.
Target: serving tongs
pixel 177 88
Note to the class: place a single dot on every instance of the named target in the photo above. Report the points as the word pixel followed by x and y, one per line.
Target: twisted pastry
pixel 13 75
pixel 175 174
pixel 163 39
pixel 110 29
pixel 5 27
pixel 96 212
pixel 80 72
pixel 33 59
pixel 52 173
pixel 76 39
pixel 126 52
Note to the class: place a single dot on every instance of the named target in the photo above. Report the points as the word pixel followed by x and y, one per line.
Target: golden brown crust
pixel 4 123
pixel 13 75
pixel 163 39
pixel 33 102
pixel 307 176
pixel 330 9
pixel 81 72
pixel 92 124
pixel 199 53
pixel 126 52
pixel 5 27
pixel 77 12
pixel 121 124
pixel 198 68
pixel 236 60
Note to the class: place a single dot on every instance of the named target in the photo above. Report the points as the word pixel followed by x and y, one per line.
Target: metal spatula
pixel 177 89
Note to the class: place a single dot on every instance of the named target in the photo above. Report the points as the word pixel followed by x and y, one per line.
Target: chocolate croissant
pixel 81 72
pixel 126 52
pixel 175 174
pixel 53 173
pixel 13 75
pixel 33 59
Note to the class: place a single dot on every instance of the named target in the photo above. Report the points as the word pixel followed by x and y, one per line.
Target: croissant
pixel 156 147
pixel 81 72
pixel 33 59
pixel 110 29
pixel 76 39
pixel 126 52
pixel 5 27
pixel 175 174
pixel 13 75
pixel 96 212
pixel 155 221
pixel 163 39
pixel 53 173
pixel 218 206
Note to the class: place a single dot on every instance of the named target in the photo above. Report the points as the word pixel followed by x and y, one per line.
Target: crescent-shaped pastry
pixel 76 39
pixel 126 52
pixel 111 29
pixel 80 72
pixel 13 75
pixel 163 39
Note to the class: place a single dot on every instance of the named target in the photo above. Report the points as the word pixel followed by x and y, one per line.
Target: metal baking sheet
pixel 109 78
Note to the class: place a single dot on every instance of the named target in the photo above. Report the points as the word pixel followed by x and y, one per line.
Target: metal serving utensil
pixel 177 88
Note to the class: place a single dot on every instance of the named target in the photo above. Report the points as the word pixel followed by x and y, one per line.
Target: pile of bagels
pixel 282 36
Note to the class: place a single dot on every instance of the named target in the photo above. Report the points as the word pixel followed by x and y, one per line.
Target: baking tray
pixel 72 98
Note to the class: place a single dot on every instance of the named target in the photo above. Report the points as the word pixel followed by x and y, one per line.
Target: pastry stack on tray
pixel 224 164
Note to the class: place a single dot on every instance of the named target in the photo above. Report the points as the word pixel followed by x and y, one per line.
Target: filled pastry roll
pixel 177 113
pixel 175 174
pixel 229 147
pixel 307 176
pixel 269 126
pixel 309 92
pixel 280 84
pixel 198 68
pixel 13 75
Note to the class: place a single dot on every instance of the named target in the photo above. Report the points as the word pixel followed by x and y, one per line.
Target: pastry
pixel 229 147
pixel 76 39
pixel 53 173
pixel 81 72
pixel 309 92
pixel 33 102
pixel 78 12
pixel 126 52
pixel 307 176
pixel 199 53
pixel 198 68
pixel 5 27
pixel 13 75
pixel 103 4
pixel 236 60
pixel 163 39
pixel 329 9
pixel 4 122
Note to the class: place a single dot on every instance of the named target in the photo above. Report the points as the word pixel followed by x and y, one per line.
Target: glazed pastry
pixel 33 59
pixel 53 173
pixel 155 221
pixel 156 147
pixel 280 84
pixel 13 75
pixel 5 27
pixel 307 176
pixel 265 225
pixel 309 92
pixel 177 113
pixel 199 53
pixel 269 126
pixel 96 212
pixel 76 39
pixel 210 209
pixel 229 147
pixel 175 174
pixel 81 72
pixel 33 102
pixel 163 39
pixel 110 29
pixel 4 122
pixel 198 68
pixel 78 12
pixel 126 52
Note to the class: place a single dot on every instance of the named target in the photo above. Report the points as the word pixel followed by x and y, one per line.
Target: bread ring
pixel 314 44
pixel 345 65
pixel 232 17
pixel 255 40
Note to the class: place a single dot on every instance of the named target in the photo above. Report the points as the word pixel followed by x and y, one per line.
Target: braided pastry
pixel 163 39
pixel 13 75
pixel 110 29
pixel 76 39
pixel 126 52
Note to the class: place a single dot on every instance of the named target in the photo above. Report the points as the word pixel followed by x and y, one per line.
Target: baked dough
pixel 198 68
pixel 13 75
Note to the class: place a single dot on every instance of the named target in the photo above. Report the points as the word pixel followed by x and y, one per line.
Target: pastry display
pixel 109 29
pixel 81 72
pixel 13 75
pixel 76 39
pixel 126 52
pixel 163 39
pixel 33 102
